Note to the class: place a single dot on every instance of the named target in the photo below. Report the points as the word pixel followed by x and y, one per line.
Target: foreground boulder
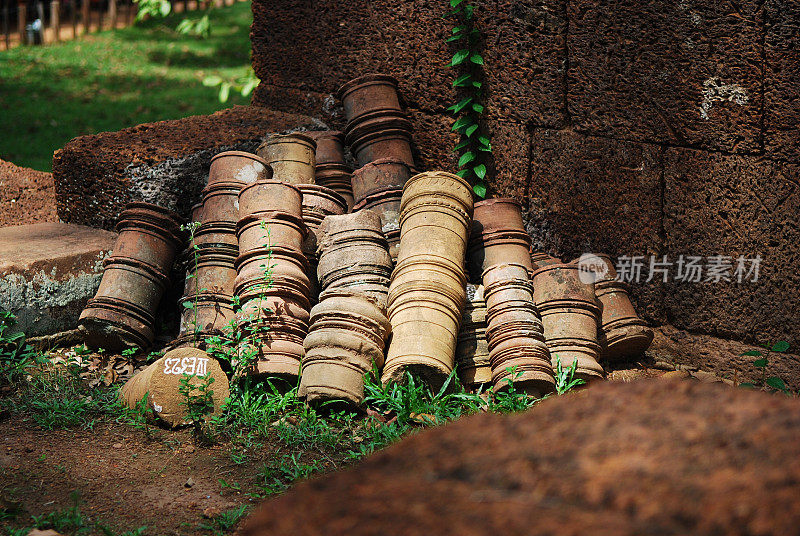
pixel 655 457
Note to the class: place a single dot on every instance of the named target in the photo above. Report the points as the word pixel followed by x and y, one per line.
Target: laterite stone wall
pixel 165 163
pixel 662 128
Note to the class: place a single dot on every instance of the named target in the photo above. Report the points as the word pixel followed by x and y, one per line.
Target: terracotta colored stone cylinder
pixel 272 281
pixel 386 203
pixel 540 260
pixel 498 236
pixel 622 333
pixel 425 314
pixel 330 147
pixel 346 340
pixel 161 383
pixel 337 178
pixel 353 255
pixel 270 196
pixel 369 93
pixel 238 166
pixel 135 277
pixel 514 332
pixel 318 203
pixel 291 156
pixel 379 175
pixel 390 139
pixel 570 314
pixel 472 350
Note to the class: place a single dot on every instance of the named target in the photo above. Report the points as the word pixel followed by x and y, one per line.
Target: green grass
pixel 115 79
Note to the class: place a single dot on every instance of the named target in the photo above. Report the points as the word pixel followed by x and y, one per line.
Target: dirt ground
pixel 125 479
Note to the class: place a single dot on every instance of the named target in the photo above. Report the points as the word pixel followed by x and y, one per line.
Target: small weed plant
pixel 191 228
pixel 226 521
pixel 16 355
pixel 768 383
pixel 565 377
pixel 199 402
pixel 71 521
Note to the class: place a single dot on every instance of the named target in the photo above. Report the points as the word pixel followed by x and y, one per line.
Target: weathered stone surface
pixel 525 54
pixel 722 357
pixel 781 90
pixel 590 194
pixel 333 42
pixel 165 163
pixel 734 206
pixel 432 141
pixel 26 195
pixel 683 458
pixel 685 73
pixel 511 155
pixel 48 271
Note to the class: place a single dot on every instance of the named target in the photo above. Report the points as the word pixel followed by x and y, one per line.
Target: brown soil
pixel 26 196
pixel 124 479
pixel 648 457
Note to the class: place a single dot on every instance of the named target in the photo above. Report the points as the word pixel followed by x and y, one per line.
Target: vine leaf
pixel 776 383
pixel 460 105
pixel 462 80
pixel 477 59
pixel 478 108
pixel 461 123
pixel 476 84
pixel 480 171
pixel 471 130
pixel 454 38
pixel 466 158
pixel 462 173
pixel 455 3
pixel 458 29
pixel 459 57
pixel 211 81
pixel 460 146
pixel 480 189
pixel 780 346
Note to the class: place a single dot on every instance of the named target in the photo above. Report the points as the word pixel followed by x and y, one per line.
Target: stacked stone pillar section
pixel 354 256
pixel 293 160
pixel 331 170
pixel 378 132
pixel 517 349
pixel 571 315
pixel 272 283
pixel 427 294
pixel 499 258
pixel 472 350
pixel 135 276
pixel 346 340
pixel 318 202
pixel 207 302
pixel 349 326
pixel 622 333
